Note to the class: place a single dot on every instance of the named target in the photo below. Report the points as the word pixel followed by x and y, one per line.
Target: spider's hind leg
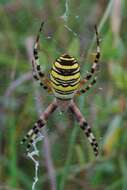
pixel 33 133
pixel 85 127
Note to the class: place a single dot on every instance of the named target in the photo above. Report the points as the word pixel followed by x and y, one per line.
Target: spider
pixel 65 83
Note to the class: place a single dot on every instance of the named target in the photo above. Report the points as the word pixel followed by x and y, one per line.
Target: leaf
pixel 109 49
pixel 119 75
pixel 74 47
pixel 112 134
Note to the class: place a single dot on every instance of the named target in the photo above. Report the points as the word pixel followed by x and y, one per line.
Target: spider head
pixel 65 55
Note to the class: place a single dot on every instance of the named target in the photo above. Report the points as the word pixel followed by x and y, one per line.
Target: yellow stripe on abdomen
pixel 65 88
pixel 75 66
pixel 65 78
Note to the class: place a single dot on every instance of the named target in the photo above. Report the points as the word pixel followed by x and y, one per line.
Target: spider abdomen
pixel 65 77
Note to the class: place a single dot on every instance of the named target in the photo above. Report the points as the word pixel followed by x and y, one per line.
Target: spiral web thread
pixel 32 154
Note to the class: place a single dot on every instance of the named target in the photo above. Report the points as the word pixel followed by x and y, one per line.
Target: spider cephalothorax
pixel 65 83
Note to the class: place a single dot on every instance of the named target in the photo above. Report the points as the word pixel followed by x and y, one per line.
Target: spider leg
pixel 85 127
pixel 33 133
pixel 45 84
pixel 89 86
pixel 96 60
pixel 38 74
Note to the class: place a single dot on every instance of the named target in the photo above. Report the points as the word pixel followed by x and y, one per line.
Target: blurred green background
pixel 66 158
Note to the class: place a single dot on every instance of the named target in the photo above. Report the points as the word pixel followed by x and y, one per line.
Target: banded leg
pixel 45 82
pixel 96 60
pixel 33 133
pixel 85 127
pixel 38 74
pixel 89 86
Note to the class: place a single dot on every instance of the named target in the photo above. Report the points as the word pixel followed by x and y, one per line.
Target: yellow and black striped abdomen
pixel 65 77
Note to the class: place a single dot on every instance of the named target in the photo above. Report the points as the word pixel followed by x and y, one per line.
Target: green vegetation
pixel 66 158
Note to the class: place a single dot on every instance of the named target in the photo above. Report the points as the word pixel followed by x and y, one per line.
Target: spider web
pixel 35 153
pixel 65 18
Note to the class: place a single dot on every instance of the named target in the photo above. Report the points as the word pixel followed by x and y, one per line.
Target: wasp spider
pixel 65 83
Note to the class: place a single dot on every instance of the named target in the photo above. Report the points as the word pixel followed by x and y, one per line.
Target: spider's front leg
pixel 89 86
pixel 93 68
pixel 38 74
pixel 85 127
pixel 33 133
